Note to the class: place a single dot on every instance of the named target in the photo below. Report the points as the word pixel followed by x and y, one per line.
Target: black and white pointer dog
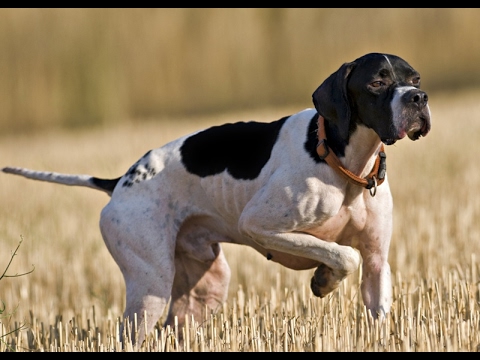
pixel 306 191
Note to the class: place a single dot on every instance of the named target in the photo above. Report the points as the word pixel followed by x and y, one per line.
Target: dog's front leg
pixel 377 287
pixel 373 244
pixel 338 261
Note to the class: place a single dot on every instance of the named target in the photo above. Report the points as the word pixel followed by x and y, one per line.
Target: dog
pixel 308 191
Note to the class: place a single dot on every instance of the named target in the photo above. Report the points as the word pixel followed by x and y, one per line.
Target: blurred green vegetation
pixel 83 67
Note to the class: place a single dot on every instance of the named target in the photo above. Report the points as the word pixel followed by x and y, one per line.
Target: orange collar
pixel 370 182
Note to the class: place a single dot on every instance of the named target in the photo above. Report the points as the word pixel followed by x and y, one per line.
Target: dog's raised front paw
pixel 325 280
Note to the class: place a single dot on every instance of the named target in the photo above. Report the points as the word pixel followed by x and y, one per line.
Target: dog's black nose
pixel 417 96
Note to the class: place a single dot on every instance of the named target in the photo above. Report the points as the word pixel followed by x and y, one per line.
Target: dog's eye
pixel 377 84
pixel 416 80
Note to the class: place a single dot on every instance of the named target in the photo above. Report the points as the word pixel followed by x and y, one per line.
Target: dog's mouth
pixel 417 129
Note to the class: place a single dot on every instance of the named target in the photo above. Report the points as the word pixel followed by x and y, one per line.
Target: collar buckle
pixel 326 150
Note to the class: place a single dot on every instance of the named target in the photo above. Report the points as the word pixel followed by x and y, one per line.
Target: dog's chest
pixel 342 226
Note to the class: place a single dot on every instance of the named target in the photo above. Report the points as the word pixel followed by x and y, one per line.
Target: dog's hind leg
pixel 144 250
pixel 202 275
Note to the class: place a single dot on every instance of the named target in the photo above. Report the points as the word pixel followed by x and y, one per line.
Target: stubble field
pixel 74 297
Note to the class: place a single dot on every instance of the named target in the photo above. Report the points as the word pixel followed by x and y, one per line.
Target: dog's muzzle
pixel 420 126
pixel 414 118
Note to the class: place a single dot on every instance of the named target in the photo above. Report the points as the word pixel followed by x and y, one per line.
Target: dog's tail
pixel 106 185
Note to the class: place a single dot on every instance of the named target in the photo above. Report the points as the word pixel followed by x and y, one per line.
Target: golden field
pixel 74 297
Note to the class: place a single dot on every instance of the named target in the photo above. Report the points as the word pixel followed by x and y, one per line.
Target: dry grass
pixel 75 296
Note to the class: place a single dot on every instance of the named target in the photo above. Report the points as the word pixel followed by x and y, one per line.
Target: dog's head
pixel 382 92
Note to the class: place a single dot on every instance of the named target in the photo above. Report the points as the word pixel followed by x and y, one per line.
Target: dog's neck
pixel 363 155
pixel 362 150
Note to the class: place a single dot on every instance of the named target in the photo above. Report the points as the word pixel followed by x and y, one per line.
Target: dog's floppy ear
pixel 331 98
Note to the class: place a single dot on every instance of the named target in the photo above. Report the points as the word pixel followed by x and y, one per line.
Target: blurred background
pixel 70 68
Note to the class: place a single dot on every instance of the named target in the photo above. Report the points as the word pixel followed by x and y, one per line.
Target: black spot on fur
pixel 333 139
pixel 108 185
pixel 241 148
pixel 139 171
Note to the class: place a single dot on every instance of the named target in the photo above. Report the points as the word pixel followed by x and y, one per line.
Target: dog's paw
pixel 325 280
